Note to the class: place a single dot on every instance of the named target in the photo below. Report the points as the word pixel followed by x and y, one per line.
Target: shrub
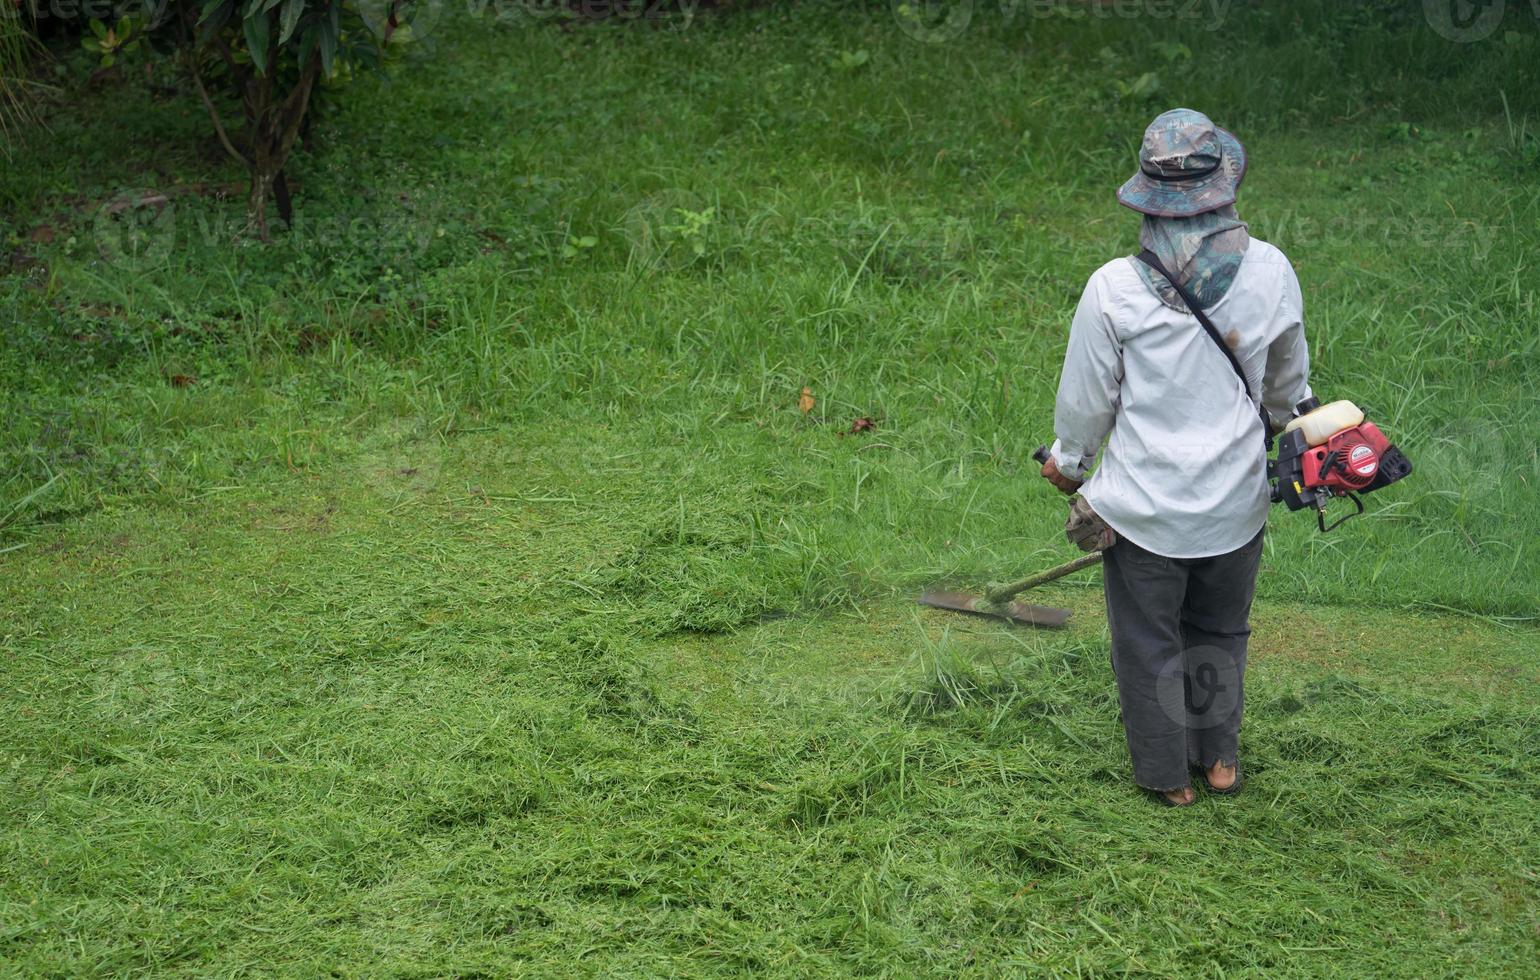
pixel 256 61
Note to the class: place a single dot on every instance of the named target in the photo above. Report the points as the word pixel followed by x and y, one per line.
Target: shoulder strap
pixel 1149 258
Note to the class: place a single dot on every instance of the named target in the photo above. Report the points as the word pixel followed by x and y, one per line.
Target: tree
pixel 270 55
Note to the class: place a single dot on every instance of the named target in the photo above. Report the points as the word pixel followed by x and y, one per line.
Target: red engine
pixel 1350 460
pixel 1355 460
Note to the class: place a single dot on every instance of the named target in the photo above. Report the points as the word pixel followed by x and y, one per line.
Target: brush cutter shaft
pixel 1006 592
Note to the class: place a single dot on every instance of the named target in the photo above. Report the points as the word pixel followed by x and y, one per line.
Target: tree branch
pixel 208 103
pixel 188 31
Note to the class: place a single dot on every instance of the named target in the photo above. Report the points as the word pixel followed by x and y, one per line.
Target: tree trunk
pixel 256 199
pixel 282 199
pixel 275 124
pixel 274 120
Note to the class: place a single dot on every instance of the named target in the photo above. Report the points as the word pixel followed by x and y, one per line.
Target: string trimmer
pixel 1326 452
pixel 996 601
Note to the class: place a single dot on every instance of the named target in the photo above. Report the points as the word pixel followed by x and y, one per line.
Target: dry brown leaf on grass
pixel 807 401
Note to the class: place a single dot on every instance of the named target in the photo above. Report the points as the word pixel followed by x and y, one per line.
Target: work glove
pixel 1087 531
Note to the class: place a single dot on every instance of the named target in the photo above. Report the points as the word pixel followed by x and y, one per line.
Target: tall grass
pixel 13 86
pixel 11 50
pixel 853 232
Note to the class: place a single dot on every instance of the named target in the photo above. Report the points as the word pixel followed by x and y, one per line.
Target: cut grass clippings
pixel 360 719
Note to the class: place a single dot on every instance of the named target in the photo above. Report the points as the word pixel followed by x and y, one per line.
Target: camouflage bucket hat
pixel 1187 166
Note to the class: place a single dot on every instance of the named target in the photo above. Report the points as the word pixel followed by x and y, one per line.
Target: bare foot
pixel 1221 776
pixel 1181 797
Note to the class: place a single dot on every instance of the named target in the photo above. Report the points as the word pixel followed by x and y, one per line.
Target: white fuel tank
pixel 1326 421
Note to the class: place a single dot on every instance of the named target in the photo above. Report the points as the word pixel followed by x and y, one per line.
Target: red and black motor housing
pixel 1354 461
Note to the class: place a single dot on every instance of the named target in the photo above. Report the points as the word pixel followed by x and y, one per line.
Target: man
pixel 1180 497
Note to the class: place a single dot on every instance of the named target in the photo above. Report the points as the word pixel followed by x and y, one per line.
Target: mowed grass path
pixel 424 713
pixel 454 586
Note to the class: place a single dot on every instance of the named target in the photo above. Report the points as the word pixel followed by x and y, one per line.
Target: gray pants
pixel 1179 630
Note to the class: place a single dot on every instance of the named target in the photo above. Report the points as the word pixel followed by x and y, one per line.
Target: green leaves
pixel 321 34
pixel 331 32
pixel 259 20
pixel 289 19
pixel 262 58
pixel 1141 89
pixel 577 246
pixel 256 30
pixel 123 37
pixel 214 16
pixel 268 27
pixel 850 60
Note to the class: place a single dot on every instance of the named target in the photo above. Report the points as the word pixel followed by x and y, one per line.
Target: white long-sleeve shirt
pixel 1184 473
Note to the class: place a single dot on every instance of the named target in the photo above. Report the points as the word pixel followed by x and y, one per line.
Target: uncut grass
pixel 909 262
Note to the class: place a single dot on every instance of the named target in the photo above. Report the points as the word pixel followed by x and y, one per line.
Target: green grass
pixel 415 596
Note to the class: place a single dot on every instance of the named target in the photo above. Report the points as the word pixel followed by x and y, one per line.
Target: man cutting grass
pixel 1180 497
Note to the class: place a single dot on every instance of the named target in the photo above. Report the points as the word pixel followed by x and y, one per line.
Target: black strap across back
pixel 1150 259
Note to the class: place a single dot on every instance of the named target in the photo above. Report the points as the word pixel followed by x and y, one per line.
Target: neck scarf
pixel 1204 252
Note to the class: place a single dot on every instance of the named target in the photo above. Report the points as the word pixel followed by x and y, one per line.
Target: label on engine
pixel 1362 460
